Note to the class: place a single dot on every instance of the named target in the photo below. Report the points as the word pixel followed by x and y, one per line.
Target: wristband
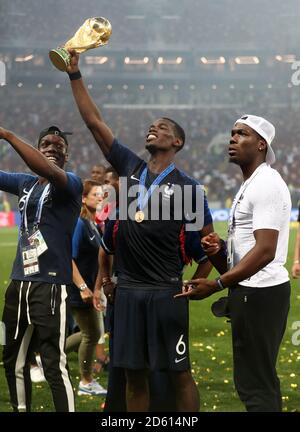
pixel 220 287
pixel 74 76
pixel 82 287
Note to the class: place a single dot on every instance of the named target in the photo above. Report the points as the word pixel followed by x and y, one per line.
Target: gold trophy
pixel 94 32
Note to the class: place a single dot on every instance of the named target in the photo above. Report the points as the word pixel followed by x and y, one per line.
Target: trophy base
pixel 60 58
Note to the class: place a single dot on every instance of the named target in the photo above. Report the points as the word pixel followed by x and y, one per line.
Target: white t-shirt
pixel 264 202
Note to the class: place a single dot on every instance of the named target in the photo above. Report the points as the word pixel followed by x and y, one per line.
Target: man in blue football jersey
pixel 161 390
pixel 150 326
pixel 36 299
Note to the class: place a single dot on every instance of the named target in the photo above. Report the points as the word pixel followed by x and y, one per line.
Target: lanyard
pixel 144 197
pixel 238 196
pixel 38 214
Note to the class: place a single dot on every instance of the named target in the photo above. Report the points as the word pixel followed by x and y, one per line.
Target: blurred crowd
pixel 207 127
pixel 158 24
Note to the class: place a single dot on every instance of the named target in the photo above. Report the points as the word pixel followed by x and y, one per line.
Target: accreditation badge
pixel 30 260
pixel 37 240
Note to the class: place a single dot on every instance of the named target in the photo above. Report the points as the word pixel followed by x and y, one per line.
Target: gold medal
pixel 139 216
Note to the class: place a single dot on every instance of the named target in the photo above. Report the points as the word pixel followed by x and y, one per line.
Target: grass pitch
pixel 210 349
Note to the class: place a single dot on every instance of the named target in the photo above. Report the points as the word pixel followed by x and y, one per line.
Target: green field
pixel 210 347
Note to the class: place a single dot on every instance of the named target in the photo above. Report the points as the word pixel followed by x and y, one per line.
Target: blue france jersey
pixel 59 216
pixel 150 251
pixel 192 246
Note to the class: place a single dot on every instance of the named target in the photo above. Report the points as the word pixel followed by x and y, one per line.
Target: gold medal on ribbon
pixel 93 33
pixel 139 216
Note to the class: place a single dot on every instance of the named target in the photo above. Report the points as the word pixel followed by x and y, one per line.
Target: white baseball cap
pixel 265 129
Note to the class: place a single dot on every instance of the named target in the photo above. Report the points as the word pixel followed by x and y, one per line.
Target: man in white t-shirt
pixel 256 253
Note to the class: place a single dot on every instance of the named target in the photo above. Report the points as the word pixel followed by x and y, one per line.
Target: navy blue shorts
pixel 151 329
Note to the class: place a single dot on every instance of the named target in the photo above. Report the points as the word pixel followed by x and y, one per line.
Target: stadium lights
pixel 246 60
pixel 162 60
pixel 286 58
pixel 96 59
pixel 136 61
pixel 22 59
pixel 219 60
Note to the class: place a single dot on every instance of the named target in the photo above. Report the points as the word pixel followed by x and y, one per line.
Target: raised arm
pixel 35 160
pixel 87 107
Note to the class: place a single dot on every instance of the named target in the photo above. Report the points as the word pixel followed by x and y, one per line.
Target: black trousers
pixel 42 308
pixel 258 322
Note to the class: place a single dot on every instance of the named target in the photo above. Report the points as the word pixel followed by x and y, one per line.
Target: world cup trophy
pixel 93 33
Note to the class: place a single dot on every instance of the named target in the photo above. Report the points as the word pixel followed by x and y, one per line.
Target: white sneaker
pixel 37 375
pixel 93 388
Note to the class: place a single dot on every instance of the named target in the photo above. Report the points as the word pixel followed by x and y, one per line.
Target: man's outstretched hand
pixel 198 289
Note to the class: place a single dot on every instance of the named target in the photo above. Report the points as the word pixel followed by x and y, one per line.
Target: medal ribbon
pixel 144 196
pixel 38 214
